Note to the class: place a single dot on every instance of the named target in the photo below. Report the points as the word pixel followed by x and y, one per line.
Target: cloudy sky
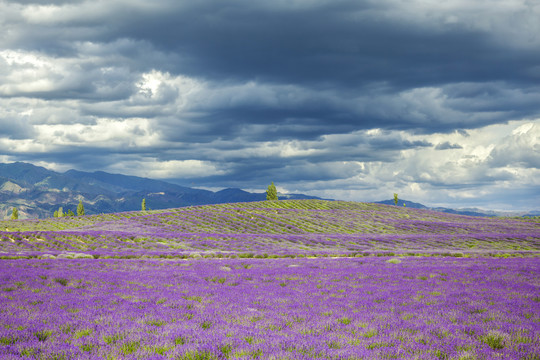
pixel 438 101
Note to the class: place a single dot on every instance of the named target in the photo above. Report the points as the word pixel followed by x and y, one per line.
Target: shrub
pixel 495 339
pixel 61 281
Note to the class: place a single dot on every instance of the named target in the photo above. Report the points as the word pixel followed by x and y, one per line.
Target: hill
pixel 37 192
pixel 271 228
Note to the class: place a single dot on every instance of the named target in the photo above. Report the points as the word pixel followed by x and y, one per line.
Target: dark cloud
pixel 345 42
pixel 446 145
pixel 328 95
pixel 355 64
pixel 13 128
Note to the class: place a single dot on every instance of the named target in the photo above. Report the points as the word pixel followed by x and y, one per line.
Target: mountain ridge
pixel 37 192
pixel 461 211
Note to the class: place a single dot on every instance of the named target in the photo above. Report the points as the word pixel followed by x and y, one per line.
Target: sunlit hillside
pixel 292 228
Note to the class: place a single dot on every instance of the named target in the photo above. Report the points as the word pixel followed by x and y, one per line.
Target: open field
pixel 271 280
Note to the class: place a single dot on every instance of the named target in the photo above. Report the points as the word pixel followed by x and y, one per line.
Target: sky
pixel 438 101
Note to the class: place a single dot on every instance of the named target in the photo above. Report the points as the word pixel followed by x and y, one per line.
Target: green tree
pixel 60 212
pixel 271 192
pixel 80 209
pixel 15 214
pixel 143 205
pixel 55 213
pixel 395 199
pixel 70 213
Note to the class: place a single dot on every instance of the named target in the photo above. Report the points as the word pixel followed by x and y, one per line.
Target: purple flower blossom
pixel 342 308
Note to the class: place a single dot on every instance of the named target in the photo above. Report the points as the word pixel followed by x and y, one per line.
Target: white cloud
pixel 521 149
pixel 79 13
pixel 155 169
pixel 455 177
pixel 28 73
pixel 20 147
pixel 115 133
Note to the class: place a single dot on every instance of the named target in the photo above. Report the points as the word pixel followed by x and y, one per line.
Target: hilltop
pixel 271 228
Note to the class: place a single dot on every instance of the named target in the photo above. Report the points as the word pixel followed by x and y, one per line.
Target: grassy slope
pixel 282 228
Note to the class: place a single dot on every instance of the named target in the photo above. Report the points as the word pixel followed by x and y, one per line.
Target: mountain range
pixel 462 211
pixel 37 192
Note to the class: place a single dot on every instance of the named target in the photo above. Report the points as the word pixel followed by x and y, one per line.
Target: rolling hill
pixel 288 228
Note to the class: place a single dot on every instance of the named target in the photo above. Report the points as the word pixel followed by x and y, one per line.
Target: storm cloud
pixel 353 100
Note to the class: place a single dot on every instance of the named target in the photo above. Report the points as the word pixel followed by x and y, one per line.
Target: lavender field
pixel 271 280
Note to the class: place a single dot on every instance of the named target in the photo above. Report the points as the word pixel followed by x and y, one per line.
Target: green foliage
pixel 80 209
pixel 226 350
pixel 206 324
pixel 61 281
pixel 180 340
pixel 43 335
pixel 8 340
pixel 395 199
pixel 370 333
pixel 143 205
pixel 70 213
pixel 161 349
pixel 88 347
pixel 271 192
pixel 55 213
pixel 113 339
pixel 82 333
pixel 15 214
pixel 495 340
pixel 196 355
pixel 60 212
pixel 130 347
pixel 29 352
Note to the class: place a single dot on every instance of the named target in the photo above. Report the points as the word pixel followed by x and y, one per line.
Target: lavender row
pixel 106 242
pixel 299 221
pixel 283 217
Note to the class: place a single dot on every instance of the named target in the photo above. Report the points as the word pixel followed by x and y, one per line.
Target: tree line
pixel 60 212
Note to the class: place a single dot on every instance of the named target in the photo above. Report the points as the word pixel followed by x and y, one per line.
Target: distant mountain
pixel 469 212
pixel 409 204
pixel 37 192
